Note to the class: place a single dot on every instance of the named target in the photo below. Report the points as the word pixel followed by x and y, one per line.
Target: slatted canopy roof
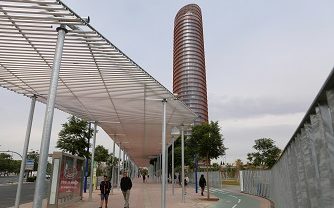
pixel 98 82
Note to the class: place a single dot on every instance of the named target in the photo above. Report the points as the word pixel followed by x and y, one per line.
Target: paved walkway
pixel 148 195
pixel 142 195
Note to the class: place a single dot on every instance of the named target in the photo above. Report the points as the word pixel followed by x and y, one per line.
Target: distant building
pixel 189 76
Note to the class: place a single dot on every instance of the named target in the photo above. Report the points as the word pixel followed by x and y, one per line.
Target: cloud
pixel 239 136
pixel 226 107
pixel 263 121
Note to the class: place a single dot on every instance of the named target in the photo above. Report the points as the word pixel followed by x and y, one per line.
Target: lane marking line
pixel 212 190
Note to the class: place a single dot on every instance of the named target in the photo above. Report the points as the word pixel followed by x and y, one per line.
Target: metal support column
pixel 173 180
pixel 132 169
pixel 182 161
pixel 47 127
pixel 87 159
pixel 25 150
pixel 128 167
pixel 127 162
pixel 154 170
pixel 92 163
pixel 113 169
pixel 123 160
pixel 166 166
pixel 196 171
pixel 163 178
pixel 119 167
pixel 160 168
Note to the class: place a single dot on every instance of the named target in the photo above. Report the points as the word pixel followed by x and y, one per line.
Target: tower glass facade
pixel 189 76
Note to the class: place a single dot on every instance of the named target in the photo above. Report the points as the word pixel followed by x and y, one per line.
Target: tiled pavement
pixel 148 195
pixel 143 195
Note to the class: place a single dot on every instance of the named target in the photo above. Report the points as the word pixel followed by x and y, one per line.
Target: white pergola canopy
pixel 97 81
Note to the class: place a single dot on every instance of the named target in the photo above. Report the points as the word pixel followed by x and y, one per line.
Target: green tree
pixel 16 166
pixel 143 171
pixel 5 160
pixel 33 155
pixel 8 165
pixel 49 168
pixel 206 141
pixel 73 138
pixel 188 157
pixel 266 153
pixel 101 155
pixel 239 164
pixel 5 156
pixel 112 161
pixel 215 167
pixel 230 170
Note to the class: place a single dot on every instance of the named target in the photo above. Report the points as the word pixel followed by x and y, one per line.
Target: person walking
pixel 126 185
pixel 186 181
pixel 105 187
pixel 202 184
pixel 144 178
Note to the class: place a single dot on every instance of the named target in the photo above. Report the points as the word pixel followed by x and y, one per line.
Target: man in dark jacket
pixel 202 184
pixel 126 185
pixel 105 187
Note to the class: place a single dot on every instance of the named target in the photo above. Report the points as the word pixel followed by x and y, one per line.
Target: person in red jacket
pixel 105 187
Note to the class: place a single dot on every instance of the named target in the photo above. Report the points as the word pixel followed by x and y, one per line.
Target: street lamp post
pixel 182 162
pixel 163 156
pixel 13 152
pixel 175 133
pixel 173 178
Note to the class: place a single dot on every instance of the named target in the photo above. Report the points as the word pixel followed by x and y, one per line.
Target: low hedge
pixel 31 179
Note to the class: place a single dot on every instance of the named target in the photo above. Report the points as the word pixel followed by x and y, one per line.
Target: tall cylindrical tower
pixel 189 76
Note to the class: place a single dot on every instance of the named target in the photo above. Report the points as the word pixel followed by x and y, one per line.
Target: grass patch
pixel 209 199
pixel 231 182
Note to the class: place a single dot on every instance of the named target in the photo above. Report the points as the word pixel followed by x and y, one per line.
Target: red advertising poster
pixel 70 177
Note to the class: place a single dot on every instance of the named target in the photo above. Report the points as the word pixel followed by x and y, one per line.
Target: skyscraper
pixel 189 76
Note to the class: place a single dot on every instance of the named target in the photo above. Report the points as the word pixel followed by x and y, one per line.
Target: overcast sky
pixel 265 63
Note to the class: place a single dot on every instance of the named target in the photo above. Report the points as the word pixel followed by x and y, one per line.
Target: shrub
pixel 31 179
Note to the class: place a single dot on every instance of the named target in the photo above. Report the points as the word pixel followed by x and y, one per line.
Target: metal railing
pixel 215 178
pixel 304 175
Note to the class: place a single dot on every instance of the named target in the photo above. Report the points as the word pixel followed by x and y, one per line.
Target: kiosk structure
pixel 66 180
